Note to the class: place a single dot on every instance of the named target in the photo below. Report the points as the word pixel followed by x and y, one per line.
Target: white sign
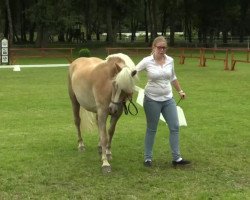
pixel 4 51
pixel 4 43
pixel 4 59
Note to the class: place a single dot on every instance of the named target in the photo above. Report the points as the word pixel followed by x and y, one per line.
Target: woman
pixel 159 99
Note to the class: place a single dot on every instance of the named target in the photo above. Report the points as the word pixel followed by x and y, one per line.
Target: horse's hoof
pixel 106 169
pixel 81 148
pixel 109 157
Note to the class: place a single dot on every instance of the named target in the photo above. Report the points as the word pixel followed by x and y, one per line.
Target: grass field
pixel 38 143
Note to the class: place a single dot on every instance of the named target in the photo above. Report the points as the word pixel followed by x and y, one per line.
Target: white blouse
pixel 160 77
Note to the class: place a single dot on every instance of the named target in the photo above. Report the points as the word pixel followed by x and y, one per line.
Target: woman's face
pixel 160 48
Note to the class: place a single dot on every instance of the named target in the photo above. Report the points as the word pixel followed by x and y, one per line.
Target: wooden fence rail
pixel 202 54
pixel 234 59
pixel 214 54
pixel 16 53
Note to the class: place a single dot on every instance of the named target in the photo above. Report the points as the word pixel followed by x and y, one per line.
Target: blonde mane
pixel 124 80
pixel 128 62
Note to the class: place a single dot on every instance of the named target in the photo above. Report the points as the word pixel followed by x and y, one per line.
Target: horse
pixel 100 88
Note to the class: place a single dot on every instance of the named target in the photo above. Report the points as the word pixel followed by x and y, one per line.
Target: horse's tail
pixel 88 120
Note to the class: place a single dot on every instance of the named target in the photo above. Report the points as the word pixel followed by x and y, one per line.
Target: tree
pixel 243 23
pixel 2 18
pixel 146 20
pixel 42 14
pixel 188 18
pixel 109 24
pixel 113 18
pixel 131 16
pixel 174 18
pixel 152 10
pixel 10 29
pixel 87 9
pixel 50 17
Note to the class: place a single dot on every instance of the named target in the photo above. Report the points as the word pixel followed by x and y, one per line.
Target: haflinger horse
pixel 101 87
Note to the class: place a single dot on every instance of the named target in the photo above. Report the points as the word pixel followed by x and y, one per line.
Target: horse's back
pixel 81 81
pixel 81 72
pixel 84 64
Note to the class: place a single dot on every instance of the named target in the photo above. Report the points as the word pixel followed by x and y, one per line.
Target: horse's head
pixel 122 87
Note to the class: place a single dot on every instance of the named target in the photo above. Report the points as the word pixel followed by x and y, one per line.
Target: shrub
pixel 84 53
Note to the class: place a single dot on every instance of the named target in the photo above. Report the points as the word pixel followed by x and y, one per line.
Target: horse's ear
pixel 118 67
pixel 133 73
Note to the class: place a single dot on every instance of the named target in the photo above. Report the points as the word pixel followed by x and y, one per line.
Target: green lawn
pixel 38 144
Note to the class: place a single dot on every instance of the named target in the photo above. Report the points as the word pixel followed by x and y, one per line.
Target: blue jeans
pixel 153 109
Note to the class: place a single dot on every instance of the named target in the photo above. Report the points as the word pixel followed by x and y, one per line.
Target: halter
pixel 127 109
pixel 122 83
pixel 115 90
pixel 117 103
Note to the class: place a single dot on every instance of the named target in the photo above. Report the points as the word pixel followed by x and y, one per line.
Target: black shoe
pixel 182 162
pixel 148 163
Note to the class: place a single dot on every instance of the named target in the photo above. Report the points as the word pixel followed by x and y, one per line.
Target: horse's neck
pixel 106 70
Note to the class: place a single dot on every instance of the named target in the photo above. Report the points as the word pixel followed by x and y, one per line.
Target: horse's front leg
pixel 102 119
pixel 111 131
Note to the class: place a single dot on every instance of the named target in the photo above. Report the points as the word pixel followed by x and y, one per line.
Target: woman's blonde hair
pixel 157 40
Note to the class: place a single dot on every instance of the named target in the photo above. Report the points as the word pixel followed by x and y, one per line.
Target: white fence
pixel 18 67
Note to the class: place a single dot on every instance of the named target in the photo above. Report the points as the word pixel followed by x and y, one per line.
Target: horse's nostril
pixel 112 110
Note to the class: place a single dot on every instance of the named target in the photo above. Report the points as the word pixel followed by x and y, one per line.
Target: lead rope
pixel 127 109
pixel 179 101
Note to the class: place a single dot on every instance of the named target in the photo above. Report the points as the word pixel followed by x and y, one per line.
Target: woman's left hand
pixel 182 94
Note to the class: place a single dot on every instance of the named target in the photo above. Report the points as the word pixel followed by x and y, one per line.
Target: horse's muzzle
pixel 113 107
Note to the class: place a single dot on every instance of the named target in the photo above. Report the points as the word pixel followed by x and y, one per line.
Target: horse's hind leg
pixel 99 147
pixel 76 110
pixel 77 119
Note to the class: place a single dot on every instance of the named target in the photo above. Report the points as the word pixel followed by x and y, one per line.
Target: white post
pixel 16 68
